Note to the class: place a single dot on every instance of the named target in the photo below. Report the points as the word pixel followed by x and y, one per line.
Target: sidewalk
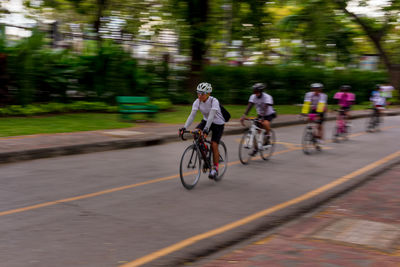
pixel 19 148
pixel 360 228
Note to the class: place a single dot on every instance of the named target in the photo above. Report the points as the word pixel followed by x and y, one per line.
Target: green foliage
pixel 286 84
pixel 53 108
pixel 162 104
pixel 41 74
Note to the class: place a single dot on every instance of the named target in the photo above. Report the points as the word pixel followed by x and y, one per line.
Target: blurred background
pixel 61 51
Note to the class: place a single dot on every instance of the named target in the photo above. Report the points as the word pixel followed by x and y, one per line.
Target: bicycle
pixel 310 136
pixel 342 128
pixel 197 157
pixel 256 140
pixel 374 121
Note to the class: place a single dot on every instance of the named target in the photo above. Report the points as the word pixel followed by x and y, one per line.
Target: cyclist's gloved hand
pixel 206 131
pixel 181 130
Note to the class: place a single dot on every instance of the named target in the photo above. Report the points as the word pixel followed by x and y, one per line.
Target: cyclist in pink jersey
pixel 345 100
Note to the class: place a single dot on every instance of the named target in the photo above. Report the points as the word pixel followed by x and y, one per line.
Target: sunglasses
pixel 201 93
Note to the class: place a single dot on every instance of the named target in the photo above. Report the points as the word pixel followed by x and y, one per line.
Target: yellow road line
pixel 116 189
pixel 51 203
pixel 189 241
pixel 65 200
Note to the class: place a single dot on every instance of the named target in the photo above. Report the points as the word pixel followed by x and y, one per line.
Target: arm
pixel 210 118
pixel 190 119
pixel 246 112
pixel 249 106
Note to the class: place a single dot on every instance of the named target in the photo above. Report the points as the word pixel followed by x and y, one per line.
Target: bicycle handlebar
pixel 196 132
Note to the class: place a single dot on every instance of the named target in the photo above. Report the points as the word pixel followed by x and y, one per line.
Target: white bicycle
pixel 254 141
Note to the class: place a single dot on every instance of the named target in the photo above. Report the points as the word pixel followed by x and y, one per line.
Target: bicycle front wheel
pixel 268 149
pixel 308 141
pixel 190 167
pixel 246 147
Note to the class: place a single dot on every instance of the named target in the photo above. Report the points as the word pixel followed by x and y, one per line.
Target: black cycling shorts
pixel 321 116
pixel 216 129
pixel 269 117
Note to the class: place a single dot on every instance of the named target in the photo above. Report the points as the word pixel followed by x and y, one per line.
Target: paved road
pixel 111 208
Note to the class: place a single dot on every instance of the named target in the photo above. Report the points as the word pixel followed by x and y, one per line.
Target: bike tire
pixel 370 124
pixel 190 167
pixel 223 160
pixel 246 146
pixel 267 153
pixel 335 134
pixel 308 141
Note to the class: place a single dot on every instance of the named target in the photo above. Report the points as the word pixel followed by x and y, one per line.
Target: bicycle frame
pixel 309 138
pixel 312 123
pixel 201 144
pixel 374 120
pixel 256 134
pixel 197 158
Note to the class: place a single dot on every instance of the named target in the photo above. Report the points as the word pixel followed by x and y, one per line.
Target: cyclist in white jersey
pixel 264 107
pixel 213 121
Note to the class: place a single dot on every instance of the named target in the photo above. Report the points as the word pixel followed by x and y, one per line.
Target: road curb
pixel 269 223
pixel 31 154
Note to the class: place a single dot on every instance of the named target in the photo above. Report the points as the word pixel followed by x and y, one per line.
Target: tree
pixel 380 28
pixel 379 31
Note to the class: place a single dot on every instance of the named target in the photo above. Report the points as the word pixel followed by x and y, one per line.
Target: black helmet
pixel 317 86
pixel 345 87
pixel 259 87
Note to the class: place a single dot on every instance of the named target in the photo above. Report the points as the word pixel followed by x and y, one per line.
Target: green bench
pixel 128 105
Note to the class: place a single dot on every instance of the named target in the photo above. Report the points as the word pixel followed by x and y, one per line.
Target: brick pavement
pixel 360 228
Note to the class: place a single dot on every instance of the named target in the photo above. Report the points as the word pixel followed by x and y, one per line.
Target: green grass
pixel 11 126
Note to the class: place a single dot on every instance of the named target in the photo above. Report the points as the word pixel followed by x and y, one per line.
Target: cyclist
pixel 378 100
pixel 345 100
pixel 315 102
pixel 264 107
pixel 213 121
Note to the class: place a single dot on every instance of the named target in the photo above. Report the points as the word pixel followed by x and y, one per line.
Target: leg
pixel 214 147
pixel 267 126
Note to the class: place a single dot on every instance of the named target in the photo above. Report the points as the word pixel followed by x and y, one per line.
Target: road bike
pixel 198 157
pixel 374 121
pixel 255 140
pixel 310 135
pixel 342 129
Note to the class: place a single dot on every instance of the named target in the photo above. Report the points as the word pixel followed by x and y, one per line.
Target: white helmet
pixel 204 88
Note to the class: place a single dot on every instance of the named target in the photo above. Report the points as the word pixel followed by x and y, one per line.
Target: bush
pixel 37 109
pixel 287 85
pixel 162 104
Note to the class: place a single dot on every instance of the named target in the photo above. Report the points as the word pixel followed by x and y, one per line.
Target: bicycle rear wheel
pixel 246 147
pixel 335 134
pixel 370 124
pixel 308 141
pixel 268 150
pixel 190 167
pixel 223 160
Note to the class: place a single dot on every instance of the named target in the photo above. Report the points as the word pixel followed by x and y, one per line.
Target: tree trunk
pixel 4 98
pixel 198 14
pixel 394 76
pixel 97 23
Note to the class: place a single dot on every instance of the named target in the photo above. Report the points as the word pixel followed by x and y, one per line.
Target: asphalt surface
pixel 114 207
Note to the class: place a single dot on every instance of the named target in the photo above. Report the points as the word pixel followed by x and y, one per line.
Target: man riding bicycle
pixel 378 100
pixel 315 102
pixel 264 107
pixel 213 121
pixel 345 100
